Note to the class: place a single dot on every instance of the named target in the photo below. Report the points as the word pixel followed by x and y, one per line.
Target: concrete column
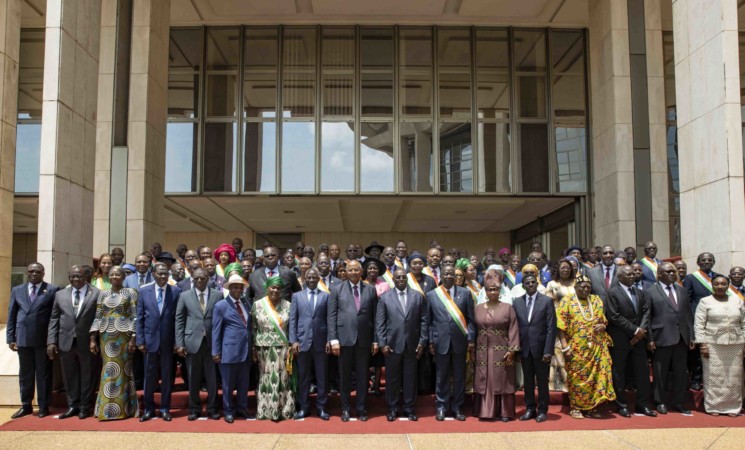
pixel 68 136
pixel 10 41
pixel 707 91
pixel 613 152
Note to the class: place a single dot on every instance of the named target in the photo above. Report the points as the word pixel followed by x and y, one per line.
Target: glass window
pixel 181 151
pixel 416 157
pixel 530 50
pixel 185 49
pixel 299 72
pixel 531 94
pixel 571 158
pixel 260 150
pixel 376 60
pixel 376 157
pixel 494 157
pixel 337 157
pixel 568 52
pixel 416 71
pixel 492 49
pixel 456 157
pixel 183 95
pixel 29 100
pixel 298 157
pixel 260 72
pixel 454 66
pixel 337 65
pixel 223 48
pixel 220 143
pixel 534 167
pixel 221 95
pixel 377 94
pixel 493 74
pixel 568 98
pixel 28 148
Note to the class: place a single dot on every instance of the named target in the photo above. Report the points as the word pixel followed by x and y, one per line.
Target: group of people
pixel 450 323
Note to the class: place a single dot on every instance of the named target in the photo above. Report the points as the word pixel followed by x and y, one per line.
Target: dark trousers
pixel 201 367
pixel 138 366
pixel 446 365
pixel 77 374
pixel 535 374
pixel 235 377
pixel 401 370
pixel 36 367
pixel 695 366
pixel 308 363
pixel 158 364
pixel 354 358
pixel 635 359
pixel 670 359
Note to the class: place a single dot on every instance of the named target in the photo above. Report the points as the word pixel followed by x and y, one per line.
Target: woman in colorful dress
pixel 719 328
pixel 584 342
pixel 224 255
pixel 556 290
pixel 497 342
pixel 101 275
pixel 270 318
pixel 113 334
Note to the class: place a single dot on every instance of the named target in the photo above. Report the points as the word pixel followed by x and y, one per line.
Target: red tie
pixel 672 297
pixel 271 273
pixel 434 274
pixel 607 278
pixel 240 313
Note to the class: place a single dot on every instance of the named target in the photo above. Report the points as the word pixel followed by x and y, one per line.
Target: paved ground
pixel 677 439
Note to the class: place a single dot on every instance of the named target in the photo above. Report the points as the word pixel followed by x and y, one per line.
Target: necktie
pixel 32 297
pixel 76 303
pixel 437 279
pixel 313 299
pixel 607 278
pixel 632 293
pixel 356 298
pixel 672 297
pixel 142 279
pixel 530 307
pixel 271 273
pixel 240 313
pixel 201 301
pixel 160 299
pixel 402 297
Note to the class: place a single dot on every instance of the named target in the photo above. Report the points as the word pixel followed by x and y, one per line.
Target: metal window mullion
pixel 318 108
pixel 357 111
pixel 239 110
pixel 475 153
pixel 514 144
pixel 435 114
pixel 202 113
pixel 280 113
pixel 553 169
pixel 397 175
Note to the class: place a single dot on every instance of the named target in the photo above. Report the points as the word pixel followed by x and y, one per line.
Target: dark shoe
pixel 459 416
pixel 646 411
pixel 166 416
pixel 323 414
pixel 541 417
pixel 440 416
pixel 300 415
pixel 242 413
pixel 69 413
pixel 43 413
pixel 696 386
pixel 229 418
pixel 345 416
pixel 84 414
pixel 362 416
pixel 392 416
pixel 145 417
pixel 193 416
pixel 411 416
pixel 624 412
pixel 22 412
pixel 681 410
pixel 214 415
pixel 505 419
pixel 313 389
pixel 661 408
pixel 528 415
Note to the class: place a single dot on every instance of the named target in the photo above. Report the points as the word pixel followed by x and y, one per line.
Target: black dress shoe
pixel 323 414
pixel 242 413
pixel 229 418
pixel 528 415
pixel 84 414
pixel 145 417
pixel 661 408
pixel 362 416
pixel 624 412
pixel 505 419
pixel 166 416
pixel 214 415
pixel 300 415
pixel 440 416
pixel 682 410
pixel 193 416
pixel 459 416
pixel 541 417
pixel 69 413
pixel 43 412
pixel 646 411
pixel 392 416
pixel 21 412
pixel 345 416
pixel 411 416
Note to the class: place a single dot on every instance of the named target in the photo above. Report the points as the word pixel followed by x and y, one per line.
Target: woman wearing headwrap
pixel 584 343
pixel 519 290
pixel 495 271
pixel 224 255
pixel 230 269
pixel 556 290
pixel 471 274
pixel 270 317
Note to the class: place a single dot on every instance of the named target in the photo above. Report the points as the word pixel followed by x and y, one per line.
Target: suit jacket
pixel 133 280
pixel 28 323
pixel 346 324
pixel 64 326
pixel 257 279
pixel 231 338
pixel 444 332
pixel 427 284
pixel 666 324
pixel 192 325
pixel 545 275
pixel 623 318
pixel 156 330
pixel 398 328
pixel 597 277
pixel 537 336
pixel 647 274
pixel 332 281
pixel 185 284
pixel 308 326
pixel 696 290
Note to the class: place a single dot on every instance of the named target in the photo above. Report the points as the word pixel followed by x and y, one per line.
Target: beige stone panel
pixel 699 83
pixel 138 85
pixel 75 211
pixel 659 197
pixel 737 215
pixel 621 100
pixel 102 194
pixel 5 264
pixel 105 102
pixel 569 440
pixel 108 13
pixel 94 29
pixel 457 441
pixel 661 233
pixel 138 149
pixel 100 237
pixel 685 154
pixel 656 99
pixel 141 36
pixel 7 157
pixel 107 50
pixel 66 140
pixel 655 60
pixel 79 82
pixel 89 161
pixel 683 103
pixel 77 150
pixel 82 23
pixel 733 137
pixel 46 211
pixel 135 194
pixel 652 16
pixel 136 237
pixel 9 92
pixel 103 145
pixel 713 200
pixel 696 35
pixel 599 109
pixel 86 224
pixel 658 148
pixel 731 438
pixel 680 29
pixel 10 17
pixel 55 266
pixel 6 225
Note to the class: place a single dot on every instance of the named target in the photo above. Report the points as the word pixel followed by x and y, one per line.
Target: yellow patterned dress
pixel 589 373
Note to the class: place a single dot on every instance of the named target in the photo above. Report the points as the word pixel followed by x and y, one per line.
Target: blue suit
pixel 647 274
pixel 156 330
pixel 133 281
pixel 231 339
pixel 545 276
pixel 308 329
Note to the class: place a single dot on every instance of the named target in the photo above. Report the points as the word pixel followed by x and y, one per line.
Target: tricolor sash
pixel 474 287
pixel 274 318
pixel 452 309
pixel 99 283
pixel 399 263
pixel 651 264
pixel 388 277
pixel 512 276
pixel 322 286
pixel 588 265
pixel 734 291
pixel 414 284
pixel 704 279
pixel 428 271
pixel 219 270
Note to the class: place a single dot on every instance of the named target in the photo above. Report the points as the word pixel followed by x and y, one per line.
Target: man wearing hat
pixel 231 342
pixel 374 250
pixel 504 256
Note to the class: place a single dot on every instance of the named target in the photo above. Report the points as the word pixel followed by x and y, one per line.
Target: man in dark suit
pixel 627 309
pixel 309 340
pixel 649 262
pixel 351 325
pixel 156 331
pixel 401 323
pixel 536 318
pixel 210 265
pixel 326 279
pixel 231 342
pixel 271 268
pixel 698 285
pixel 69 326
pixel 603 276
pixel 142 276
pixel 194 341
pixel 28 324
pixel 670 336
pixel 639 282
pixel 449 342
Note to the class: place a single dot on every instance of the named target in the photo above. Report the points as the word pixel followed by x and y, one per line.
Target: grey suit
pixel 194 333
pixel 70 334
pixel 597 277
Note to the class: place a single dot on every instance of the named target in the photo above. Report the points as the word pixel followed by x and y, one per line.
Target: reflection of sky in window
pixel 28 145
pixel 298 157
pixel 179 151
pixel 377 170
pixel 337 158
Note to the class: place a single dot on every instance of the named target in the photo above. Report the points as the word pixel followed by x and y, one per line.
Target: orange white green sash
pixel 399 263
pixel 414 284
pixel 428 271
pixel 511 276
pixel 388 278
pixel 734 291
pixel 101 284
pixel 474 287
pixel 705 280
pixel 322 286
pixel 274 318
pixel 452 309
pixel 220 270
pixel 588 264
pixel 651 264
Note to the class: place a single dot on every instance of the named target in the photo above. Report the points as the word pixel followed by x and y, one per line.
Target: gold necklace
pixel 582 311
